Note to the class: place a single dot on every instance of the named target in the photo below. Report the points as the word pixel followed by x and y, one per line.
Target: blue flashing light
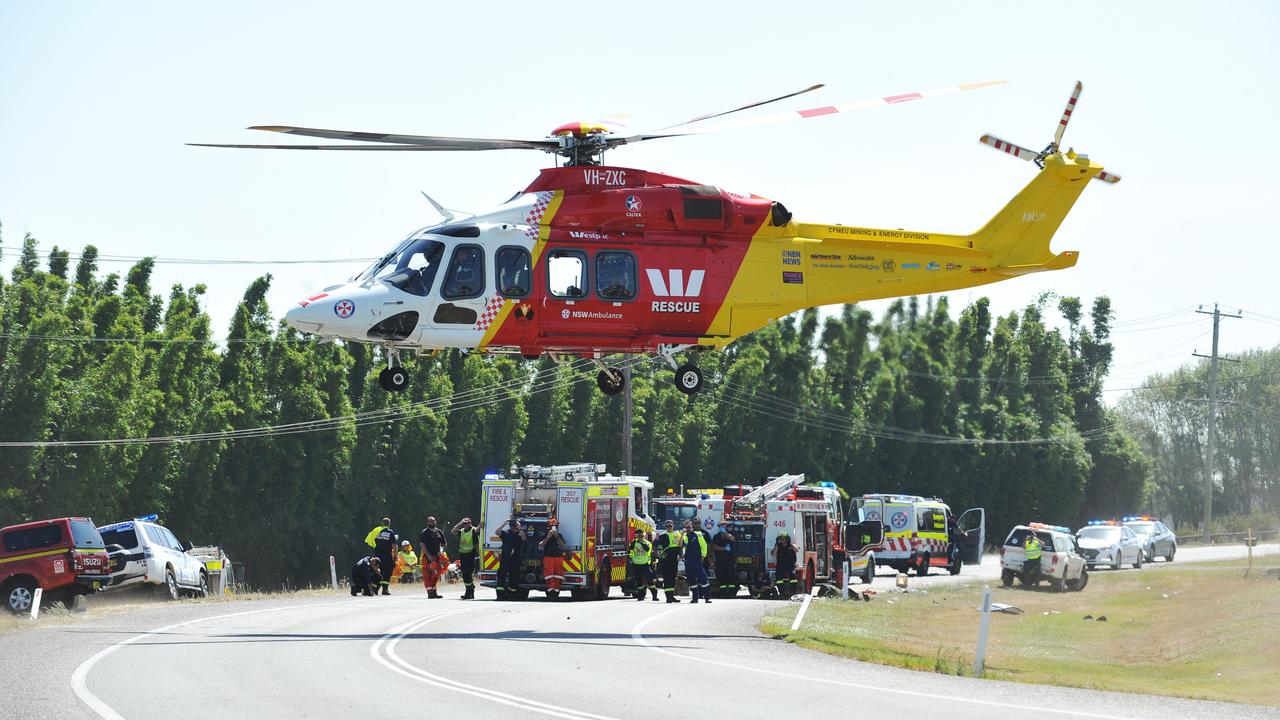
pixel 148 518
pixel 1102 522
pixel 116 526
pixel 491 476
pixel 826 484
pixel 1140 518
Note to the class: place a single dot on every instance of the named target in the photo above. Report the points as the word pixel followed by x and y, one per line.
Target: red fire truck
pixel 598 516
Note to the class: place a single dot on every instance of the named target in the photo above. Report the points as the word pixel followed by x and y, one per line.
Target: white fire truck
pixel 810 514
pixel 598 516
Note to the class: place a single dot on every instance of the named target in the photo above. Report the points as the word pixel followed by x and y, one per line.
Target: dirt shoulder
pixel 1199 631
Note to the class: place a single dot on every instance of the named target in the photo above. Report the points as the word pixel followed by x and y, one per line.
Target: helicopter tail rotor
pixel 1052 148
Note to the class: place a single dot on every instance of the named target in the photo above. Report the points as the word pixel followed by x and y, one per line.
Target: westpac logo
pixel 673 285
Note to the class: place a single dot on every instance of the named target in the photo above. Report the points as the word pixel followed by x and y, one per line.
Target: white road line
pixel 637 634
pixel 78 678
pixel 397 664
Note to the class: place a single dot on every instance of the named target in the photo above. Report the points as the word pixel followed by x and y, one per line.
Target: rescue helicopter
pixel 600 261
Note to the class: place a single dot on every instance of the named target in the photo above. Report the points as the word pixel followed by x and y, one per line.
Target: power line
pixel 160 260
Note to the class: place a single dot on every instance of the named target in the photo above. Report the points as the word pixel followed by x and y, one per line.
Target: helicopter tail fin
pixel 1018 236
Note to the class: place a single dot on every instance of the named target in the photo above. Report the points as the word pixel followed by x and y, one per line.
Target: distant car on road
pixel 1157 539
pixel 1060 562
pixel 1109 542
pixel 155 557
pixel 64 557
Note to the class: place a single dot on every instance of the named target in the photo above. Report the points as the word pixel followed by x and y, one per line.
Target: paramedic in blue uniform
pixel 695 556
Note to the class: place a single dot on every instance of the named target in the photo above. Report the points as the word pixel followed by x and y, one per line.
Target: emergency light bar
pixel 1103 522
pixel 1043 526
pixel 1140 518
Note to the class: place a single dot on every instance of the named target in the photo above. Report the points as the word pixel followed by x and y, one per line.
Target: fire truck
pixel 598 516
pixel 756 516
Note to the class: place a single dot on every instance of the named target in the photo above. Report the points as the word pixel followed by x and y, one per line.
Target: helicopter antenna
pixel 445 212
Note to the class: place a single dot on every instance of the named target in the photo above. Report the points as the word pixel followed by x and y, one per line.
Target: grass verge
pixel 1198 631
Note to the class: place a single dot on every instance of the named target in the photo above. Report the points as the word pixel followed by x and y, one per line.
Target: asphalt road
pixel 406 656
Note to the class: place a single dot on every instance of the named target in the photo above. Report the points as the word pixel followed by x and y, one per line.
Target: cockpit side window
pixel 465 277
pixel 567 274
pixel 512 266
pixel 414 270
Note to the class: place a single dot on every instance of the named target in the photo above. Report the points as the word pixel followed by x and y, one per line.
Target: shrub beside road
pixel 1187 630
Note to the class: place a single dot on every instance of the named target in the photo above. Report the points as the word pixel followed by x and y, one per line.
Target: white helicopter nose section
pixel 337 312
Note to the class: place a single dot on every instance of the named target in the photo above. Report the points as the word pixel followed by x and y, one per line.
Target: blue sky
pixel 97 99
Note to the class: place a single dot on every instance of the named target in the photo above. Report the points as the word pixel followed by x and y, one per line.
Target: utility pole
pixel 1213 416
pixel 626 419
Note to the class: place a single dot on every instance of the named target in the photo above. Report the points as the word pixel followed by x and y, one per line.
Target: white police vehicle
pixel 1107 542
pixel 155 557
pixel 1060 561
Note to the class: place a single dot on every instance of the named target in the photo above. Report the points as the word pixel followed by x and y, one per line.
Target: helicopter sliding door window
pixel 615 275
pixel 567 274
pixel 512 266
pixel 465 277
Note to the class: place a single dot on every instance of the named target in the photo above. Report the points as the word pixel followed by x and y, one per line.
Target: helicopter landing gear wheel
pixel 688 379
pixel 394 379
pixel 611 381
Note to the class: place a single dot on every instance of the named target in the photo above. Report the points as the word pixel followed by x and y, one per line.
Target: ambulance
pixel 598 515
pixel 915 532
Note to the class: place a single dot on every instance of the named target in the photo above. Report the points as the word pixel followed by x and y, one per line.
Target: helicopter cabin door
pixel 573 309
pixel 460 299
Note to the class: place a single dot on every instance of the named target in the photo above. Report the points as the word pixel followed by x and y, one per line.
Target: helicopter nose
pixel 305 316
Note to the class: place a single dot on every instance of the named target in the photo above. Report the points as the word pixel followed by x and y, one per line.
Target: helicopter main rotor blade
pixel 415 142
pixel 1066 114
pixel 709 116
pixel 817 112
pixel 367 148
pixel 1005 146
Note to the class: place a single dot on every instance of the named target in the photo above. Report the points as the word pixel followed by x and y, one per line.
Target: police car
pixel 1107 542
pixel 1156 537
pixel 155 557
pixel 1060 561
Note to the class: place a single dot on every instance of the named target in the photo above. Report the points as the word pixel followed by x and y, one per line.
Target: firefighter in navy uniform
pixel 641 553
pixel 722 547
pixel 468 549
pixel 695 557
pixel 384 542
pixel 669 547
pixel 365 576
pixel 512 537
pixel 784 575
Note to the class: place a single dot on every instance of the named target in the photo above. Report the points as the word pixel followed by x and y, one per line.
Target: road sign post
pixel 804 608
pixel 980 660
pixel 844 586
pixel 333 572
pixel 35 603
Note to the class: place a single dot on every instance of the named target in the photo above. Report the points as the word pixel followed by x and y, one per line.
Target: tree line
pixel 1003 412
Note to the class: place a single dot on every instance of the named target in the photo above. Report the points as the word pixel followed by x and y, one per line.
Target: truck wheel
pixel 1006 578
pixel 1057 585
pixel 604 576
pixel 956 564
pixel 78 604
pixel 922 568
pixel 19 595
pixel 1084 579
pixel 870 573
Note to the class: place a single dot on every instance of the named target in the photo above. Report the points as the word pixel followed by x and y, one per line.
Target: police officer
pixel 365 576
pixel 722 547
pixel 669 545
pixel 468 550
pixel 512 537
pixel 1031 566
pixel 384 542
pixel 695 571
pixel 640 553
pixel 432 544
pixel 784 557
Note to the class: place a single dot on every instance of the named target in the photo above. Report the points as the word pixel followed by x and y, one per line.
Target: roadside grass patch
pixel 1197 631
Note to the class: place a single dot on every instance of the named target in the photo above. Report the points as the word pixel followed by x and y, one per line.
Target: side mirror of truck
pixel 863 536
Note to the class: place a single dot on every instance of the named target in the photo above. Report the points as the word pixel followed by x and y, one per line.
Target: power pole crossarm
pixel 1212 418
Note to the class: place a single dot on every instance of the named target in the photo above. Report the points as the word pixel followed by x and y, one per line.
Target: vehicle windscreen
pixel 85 535
pixel 1142 528
pixel 126 538
pixel 1110 533
pixel 412 267
pixel 675 513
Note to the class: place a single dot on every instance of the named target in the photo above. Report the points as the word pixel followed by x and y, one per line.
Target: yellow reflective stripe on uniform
pixel 28 556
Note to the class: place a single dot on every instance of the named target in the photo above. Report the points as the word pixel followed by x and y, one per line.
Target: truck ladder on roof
pixel 771 490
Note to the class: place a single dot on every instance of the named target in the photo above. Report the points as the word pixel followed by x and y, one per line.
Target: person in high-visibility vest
pixel 695 570
pixel 406 561
pixel 384 542
pixel 1033 549
pixel 468 551
pixel 641 555
pixel 669 545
